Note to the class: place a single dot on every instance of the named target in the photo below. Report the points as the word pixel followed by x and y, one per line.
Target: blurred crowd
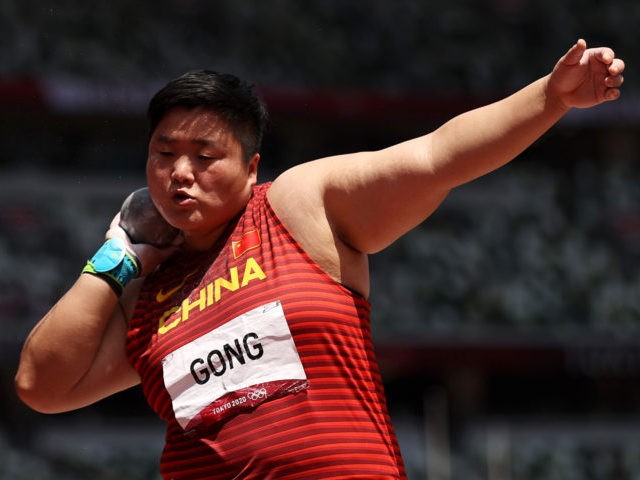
pixel 540 248
pixel 458 45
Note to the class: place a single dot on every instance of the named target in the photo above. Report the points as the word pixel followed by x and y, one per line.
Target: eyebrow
pixel 199 141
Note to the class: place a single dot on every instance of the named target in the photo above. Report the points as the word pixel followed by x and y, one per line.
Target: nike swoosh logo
pixel 163 296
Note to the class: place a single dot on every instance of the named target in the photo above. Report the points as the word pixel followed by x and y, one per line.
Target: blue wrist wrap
pixel 114 264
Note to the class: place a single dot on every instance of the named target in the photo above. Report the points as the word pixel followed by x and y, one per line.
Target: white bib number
pixel 245 362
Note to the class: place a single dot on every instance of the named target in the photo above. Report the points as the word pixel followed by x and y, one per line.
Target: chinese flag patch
pixel 248 241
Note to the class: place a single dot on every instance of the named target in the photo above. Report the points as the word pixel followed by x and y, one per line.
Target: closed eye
pixel 207 157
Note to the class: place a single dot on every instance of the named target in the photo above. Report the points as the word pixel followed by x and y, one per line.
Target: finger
pixel 115 230
pixel 614 81
pixel 116 221
pixel 605 55
pixel 575 53
pixel 612 94
pixel 616 67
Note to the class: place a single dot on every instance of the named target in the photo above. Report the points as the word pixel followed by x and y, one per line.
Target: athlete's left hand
pixel 586 77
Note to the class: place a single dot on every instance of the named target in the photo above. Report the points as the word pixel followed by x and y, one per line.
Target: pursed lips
pixel 181 197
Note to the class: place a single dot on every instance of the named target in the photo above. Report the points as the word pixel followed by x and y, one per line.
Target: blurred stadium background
pixel 506 325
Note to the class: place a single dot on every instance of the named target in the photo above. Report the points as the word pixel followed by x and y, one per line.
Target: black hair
pixel 225 94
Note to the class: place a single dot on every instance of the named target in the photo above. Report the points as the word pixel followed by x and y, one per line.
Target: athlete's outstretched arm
pixel 369 199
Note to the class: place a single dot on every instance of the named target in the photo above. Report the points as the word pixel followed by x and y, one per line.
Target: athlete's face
pixel 197 175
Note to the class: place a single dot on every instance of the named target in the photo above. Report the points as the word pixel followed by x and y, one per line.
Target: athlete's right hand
pixel 149 256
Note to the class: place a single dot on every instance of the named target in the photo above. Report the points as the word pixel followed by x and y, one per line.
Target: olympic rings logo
pixel 257 394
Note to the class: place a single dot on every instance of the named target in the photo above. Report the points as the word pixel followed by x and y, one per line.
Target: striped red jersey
pixel 262 365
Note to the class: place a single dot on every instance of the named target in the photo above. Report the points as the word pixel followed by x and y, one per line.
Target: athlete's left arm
pixel 371 198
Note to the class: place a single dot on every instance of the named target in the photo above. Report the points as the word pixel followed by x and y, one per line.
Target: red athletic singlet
pixel 262 365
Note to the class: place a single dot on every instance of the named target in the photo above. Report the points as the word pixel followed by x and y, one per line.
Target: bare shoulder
pixel 297 197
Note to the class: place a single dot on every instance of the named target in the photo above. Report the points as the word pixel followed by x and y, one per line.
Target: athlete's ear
pixel 252 168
